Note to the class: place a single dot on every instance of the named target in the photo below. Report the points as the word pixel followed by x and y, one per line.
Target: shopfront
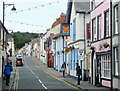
pixel 101 63
pixel 103 68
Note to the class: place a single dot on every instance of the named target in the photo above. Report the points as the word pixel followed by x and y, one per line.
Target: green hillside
pixel 21 38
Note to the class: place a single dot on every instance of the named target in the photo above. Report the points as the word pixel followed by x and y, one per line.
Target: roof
pixel 82 6
pixel 1 24
pixel 57 35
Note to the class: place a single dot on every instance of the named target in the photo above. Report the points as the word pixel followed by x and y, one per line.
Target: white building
pixel 78 18
pixel 11 46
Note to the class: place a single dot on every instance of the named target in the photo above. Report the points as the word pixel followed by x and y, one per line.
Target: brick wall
pixel 59 20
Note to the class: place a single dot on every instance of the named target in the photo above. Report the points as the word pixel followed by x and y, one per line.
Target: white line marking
pixel 39 80
pixel 44 86
pixel 36 76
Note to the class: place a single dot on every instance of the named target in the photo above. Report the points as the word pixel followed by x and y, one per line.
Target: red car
pixel 19 62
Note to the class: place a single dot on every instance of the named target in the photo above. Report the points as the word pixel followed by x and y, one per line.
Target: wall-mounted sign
pixel 65 29
pixel 47 49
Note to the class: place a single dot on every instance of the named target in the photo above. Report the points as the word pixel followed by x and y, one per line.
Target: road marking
pixel 36 76
pixel 44 86
pixel 39 80
pixel 60 79
pixel 38 66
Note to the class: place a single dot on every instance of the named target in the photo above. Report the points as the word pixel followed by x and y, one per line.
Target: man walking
pixel 64 67
pixel 7 72
pixel 78 73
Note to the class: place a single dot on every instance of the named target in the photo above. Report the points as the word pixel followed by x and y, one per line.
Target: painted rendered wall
pixel 59 57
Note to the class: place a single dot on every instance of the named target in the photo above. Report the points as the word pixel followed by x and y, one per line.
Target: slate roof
pixel 81 5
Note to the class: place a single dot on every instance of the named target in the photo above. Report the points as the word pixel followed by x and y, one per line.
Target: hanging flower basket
pixel 92 47
pixel 73 47
pixel 106 45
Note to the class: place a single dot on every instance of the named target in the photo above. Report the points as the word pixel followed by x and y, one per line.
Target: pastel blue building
pixel 59 55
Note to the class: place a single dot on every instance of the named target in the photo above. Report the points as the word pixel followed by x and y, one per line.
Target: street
pixel 32 76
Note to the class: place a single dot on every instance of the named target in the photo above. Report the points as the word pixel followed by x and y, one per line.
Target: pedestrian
pixel 78 73
pixel 64 68
pixel 7 72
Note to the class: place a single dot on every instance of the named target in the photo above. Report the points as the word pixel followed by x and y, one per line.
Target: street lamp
pixel 13 9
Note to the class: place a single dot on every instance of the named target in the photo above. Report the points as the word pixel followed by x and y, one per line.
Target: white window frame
pixel 116 61
pixel 107 24
pixel 116 19
pixel 105 66
pixel 99 26
pixel 92 4
pixel 94 32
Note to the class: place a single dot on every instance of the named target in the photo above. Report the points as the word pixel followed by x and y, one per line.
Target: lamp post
pixel 13 9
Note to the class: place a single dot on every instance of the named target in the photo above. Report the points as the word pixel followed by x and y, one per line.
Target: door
pixel 98 70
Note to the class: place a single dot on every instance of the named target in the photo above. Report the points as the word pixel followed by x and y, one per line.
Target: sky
pixel 33 16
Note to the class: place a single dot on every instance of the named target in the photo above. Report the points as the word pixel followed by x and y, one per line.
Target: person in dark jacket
pixel 78 73
pixel 64 67
pixel 7 72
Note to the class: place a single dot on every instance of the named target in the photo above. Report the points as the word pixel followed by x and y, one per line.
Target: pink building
pixel 100 45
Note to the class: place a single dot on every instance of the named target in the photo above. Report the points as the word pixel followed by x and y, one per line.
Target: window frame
pixel 105 66
pixel 106 26
pixel 99 30
pixel 94 32
pixel 116 61
pixel 116 21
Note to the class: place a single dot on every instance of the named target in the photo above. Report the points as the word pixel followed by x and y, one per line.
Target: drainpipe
pixel 111 43
pixel 63 48
pixel 84 40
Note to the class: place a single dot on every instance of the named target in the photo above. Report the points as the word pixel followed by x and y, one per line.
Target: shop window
pixel 116 60
pixel 105 66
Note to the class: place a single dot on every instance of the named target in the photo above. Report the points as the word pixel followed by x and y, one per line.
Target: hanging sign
pixel 65 29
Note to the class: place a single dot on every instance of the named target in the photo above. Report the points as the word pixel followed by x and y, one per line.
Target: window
pixel 99 27
pixel 116 60
pixel 94 37
pixel 105 66
pixel 116 19
pixel 106 24
pixel 92 4
pixel 74 30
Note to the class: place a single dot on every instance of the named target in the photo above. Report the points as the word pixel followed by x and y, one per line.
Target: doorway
pixel 98 70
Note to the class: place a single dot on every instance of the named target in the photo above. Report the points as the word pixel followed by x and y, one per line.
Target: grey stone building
pixel 116 44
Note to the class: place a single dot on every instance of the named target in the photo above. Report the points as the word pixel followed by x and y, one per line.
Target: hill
pixel 21 38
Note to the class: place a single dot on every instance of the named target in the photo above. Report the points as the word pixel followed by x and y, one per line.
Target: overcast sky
pixel 32 15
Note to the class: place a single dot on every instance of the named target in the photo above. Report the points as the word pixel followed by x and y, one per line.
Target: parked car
pixel 18 56
pixel 19 62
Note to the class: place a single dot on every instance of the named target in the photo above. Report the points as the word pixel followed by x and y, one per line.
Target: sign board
pixel 88 31
pixel 65 29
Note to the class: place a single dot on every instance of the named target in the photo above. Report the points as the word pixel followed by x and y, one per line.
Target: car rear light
pixel 20 62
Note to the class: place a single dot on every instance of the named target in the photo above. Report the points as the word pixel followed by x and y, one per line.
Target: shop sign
pixel 106 83
pixel 65 29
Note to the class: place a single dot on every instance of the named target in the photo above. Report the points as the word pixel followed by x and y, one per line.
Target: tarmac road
pixel 30 76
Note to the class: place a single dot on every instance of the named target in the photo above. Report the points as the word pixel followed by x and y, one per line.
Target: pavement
pixel 12 81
